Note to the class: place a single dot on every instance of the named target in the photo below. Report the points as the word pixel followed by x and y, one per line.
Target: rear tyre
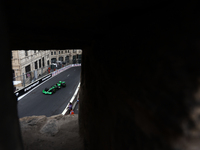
pixel 54 91
pixel 63 84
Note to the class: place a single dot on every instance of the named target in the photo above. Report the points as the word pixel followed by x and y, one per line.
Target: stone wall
pixel 53 133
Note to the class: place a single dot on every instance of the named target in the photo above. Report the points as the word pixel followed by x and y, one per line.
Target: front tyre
pixel 64 85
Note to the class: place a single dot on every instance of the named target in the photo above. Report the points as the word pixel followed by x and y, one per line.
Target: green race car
pixel 54 88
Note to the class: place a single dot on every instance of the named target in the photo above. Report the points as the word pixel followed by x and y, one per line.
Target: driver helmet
pixel 60 81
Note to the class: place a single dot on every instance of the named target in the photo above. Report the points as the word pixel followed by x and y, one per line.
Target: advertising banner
pixel 31 86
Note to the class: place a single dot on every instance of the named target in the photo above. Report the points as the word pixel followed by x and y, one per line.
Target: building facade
pixel 26 61
pixel 68 56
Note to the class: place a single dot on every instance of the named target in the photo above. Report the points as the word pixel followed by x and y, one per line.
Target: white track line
pixel 72 99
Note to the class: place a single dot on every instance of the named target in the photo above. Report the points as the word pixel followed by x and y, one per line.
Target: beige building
pixel 26 61
pixel 28 65
pixel 68 56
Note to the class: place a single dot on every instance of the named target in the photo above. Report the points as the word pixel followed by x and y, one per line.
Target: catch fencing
pixel 25 80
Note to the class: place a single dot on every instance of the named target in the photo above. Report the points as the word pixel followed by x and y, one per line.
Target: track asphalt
pixel 36 103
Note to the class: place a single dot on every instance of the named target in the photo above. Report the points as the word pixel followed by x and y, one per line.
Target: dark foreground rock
pixel 52 133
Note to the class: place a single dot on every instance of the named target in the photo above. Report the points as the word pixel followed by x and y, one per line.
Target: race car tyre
pixel 64 85
pixel 54 91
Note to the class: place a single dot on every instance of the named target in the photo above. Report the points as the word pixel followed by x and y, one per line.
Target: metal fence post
pixel 23 80
pixel 35 74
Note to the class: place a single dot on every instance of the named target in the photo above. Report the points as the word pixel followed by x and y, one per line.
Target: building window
pixel 28 69
pixel 53 60
pixel 79 58
pixel 61 52
pixel 26 53
pixel 48 62
pixel 65 51
pixel 40 63
pixel 67 59
pixel 36 65
pixel 55 53
pixel 74 59
pixel 43 61
pixel 60 58
pixel 74 51
pixel 51 53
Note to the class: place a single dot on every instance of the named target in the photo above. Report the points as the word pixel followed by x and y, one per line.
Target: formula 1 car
pixel 54 88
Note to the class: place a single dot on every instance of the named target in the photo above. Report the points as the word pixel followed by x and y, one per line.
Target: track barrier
pixel 41 80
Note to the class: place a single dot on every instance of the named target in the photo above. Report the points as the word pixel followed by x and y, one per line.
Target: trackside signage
pixel 47 77
pixel 31 86
pixel 64 68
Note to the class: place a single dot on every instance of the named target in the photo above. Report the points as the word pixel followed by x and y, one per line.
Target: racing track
pixel 36 103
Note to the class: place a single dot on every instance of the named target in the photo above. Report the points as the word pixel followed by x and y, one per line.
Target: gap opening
pixel 37 70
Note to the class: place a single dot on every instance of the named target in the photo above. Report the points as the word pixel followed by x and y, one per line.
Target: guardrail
pixel 63 69
pixel 38 82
